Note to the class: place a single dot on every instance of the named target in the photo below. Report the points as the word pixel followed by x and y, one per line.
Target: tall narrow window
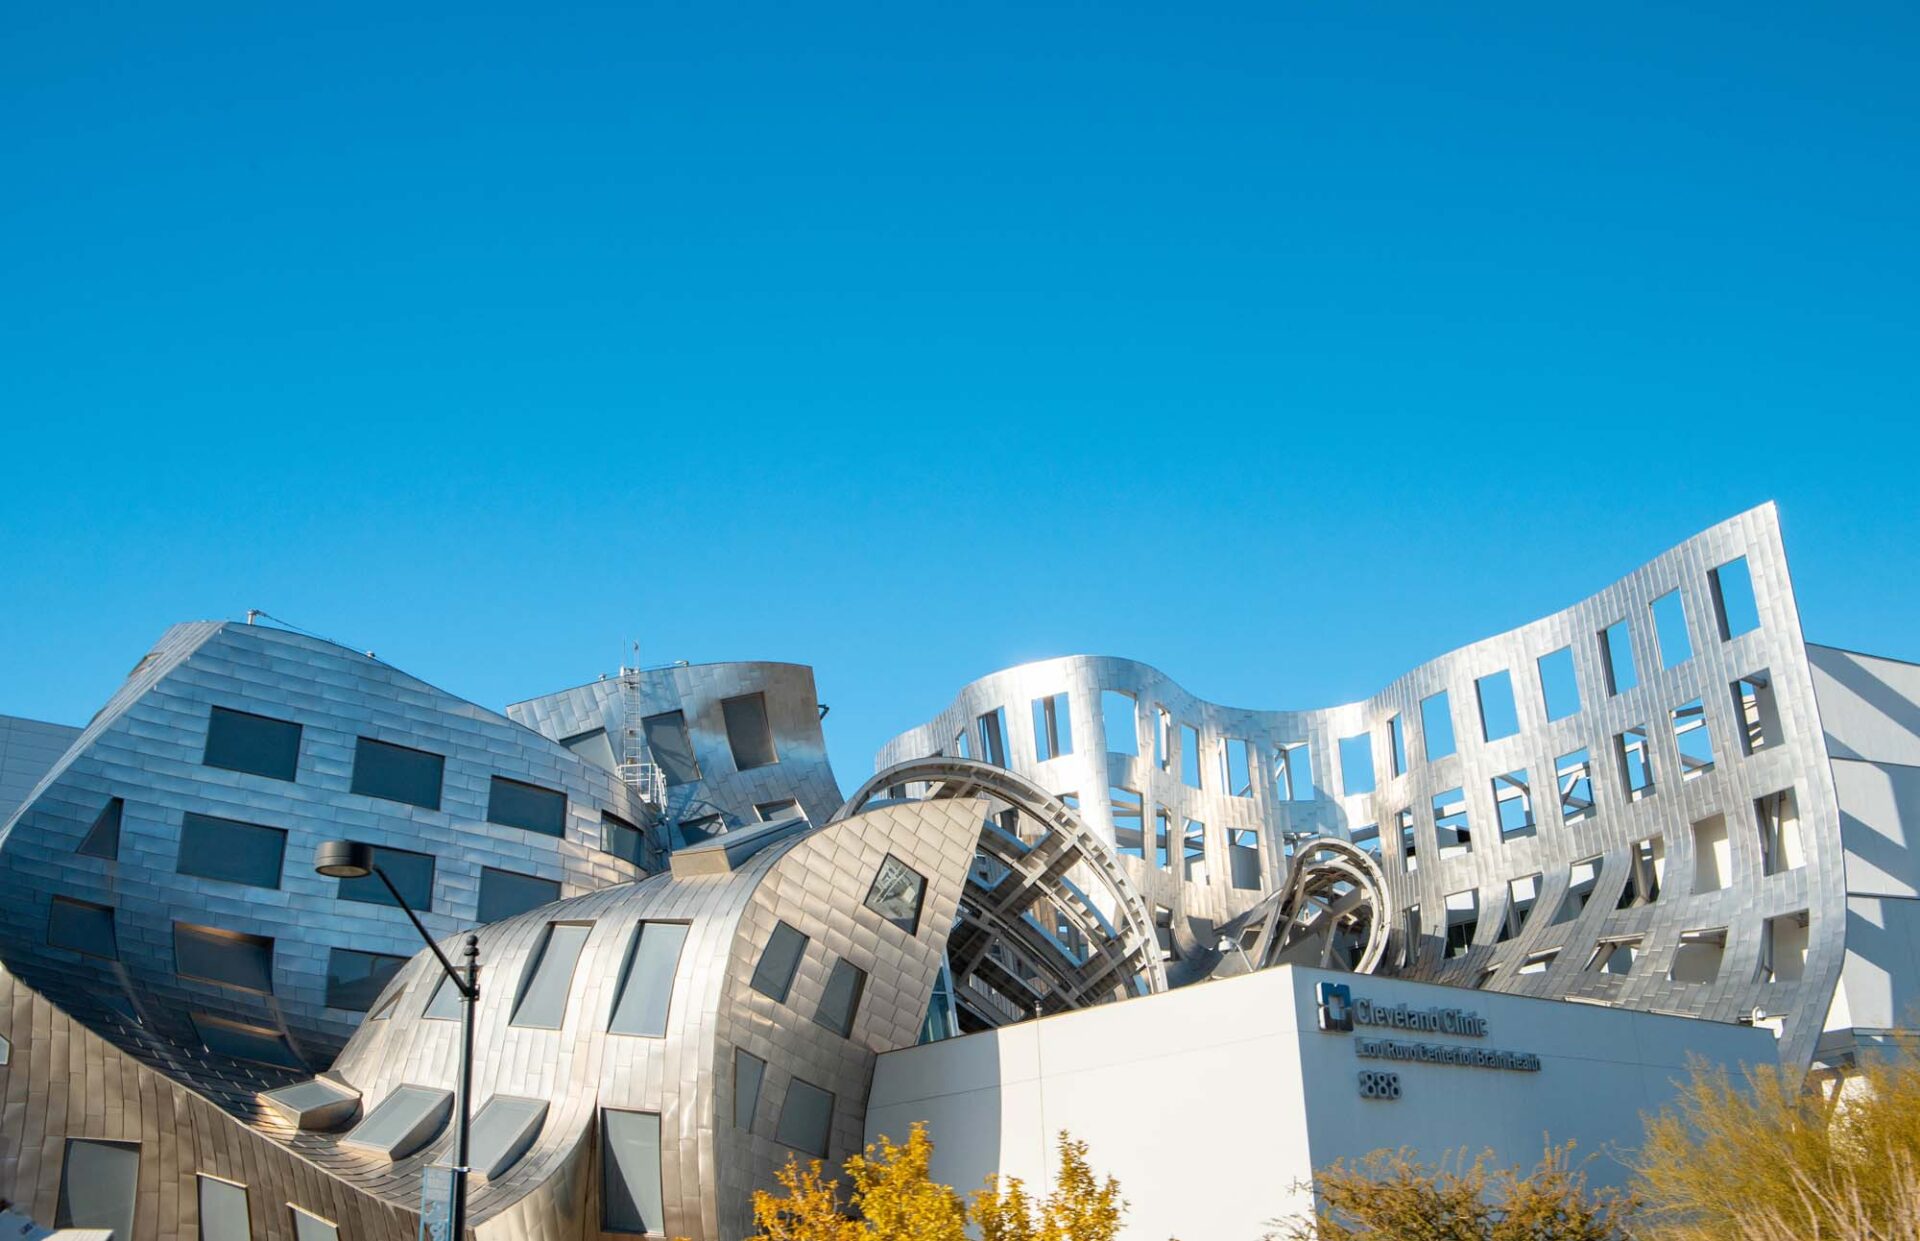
pixel 1754 707
pixel 1513 804
pixel 256 744
pixel 1463 921
pixel 749 735
pixel 1636 761
pixel 748 1072
pixel 773 974
pixel 670 746
pixel 991 729
pixel 542 1003
pixel 1712 855
pixel 1733 602
pixel 1647 862
pixel 1163 738
pixel 103 838
pixel 1292 772
pixel 1409 847
pixel 1670 630
pixel 1779 819
pixel 1239 768
pixel 1193 851
pixel 1559 687
pixel 1616 656
pixel 223 1210
pixel 1436 725
pixel 1450 823
pixel 514 803
pixel 398 773
pixel 1052 727
pixel 1162 837
pixel 1356 764
pixel 1190 756
pixel 1498 716
pixel 646 989
pixel 1574 774
pixel 630 1172
pixel 840 999
pixel 1397 746
pixel 1582 878
pixel 1120 720
pixel 1243 857
pixel 1783 948
pixel 1522 894
pixel 1128 829
pixel 1691 737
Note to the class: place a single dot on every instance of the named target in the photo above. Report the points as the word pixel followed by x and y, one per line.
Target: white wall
pixel 1210 1101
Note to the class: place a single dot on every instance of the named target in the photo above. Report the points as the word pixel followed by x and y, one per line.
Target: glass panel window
pixel 672 750
pixel 543 993
pixel 411 872
pixel 231 851
pixel 83 927
pixel 241 1041
pixel 1463 921
pixel 503 1130
pixel 748 1072
pixel 257 744
pixel 897 893
pixel 646 991
pixel 1559 687
pixel 806 1119
pixel 625 841
pixel 98 1184
pixel 1670 630
pixel 1436 725
pixel 503 893
pixel 310 1227
pixel 223 1210
pixel 749 735
pixel 840 1001
pixel 773 973
pixel 397 773
pixel 513 803
pixel 230 958
pixel 1052 727
pixel 405 1121
pixel 1356 764
pixel 103 838
pixel 1119 717
pixel 630 1172
pixel 355 979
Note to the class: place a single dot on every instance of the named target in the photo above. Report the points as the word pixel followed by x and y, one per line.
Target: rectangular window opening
pixel 1559 686
pixel 223 1210
pixel 773 974
pixel 1733 603
pixel 515 803
pixel 542 1003
pixel 99 1183
pixel 1522 893
pixel 1409 851
pixel 1119 719
pixel 1778 815
pixel 256 744
pixel 1670 630
pixel 410 872
pixel 82 927
pixel 505 893
pixel 1695 744
pixel 231 851
pixel 1356 764
pixel 1712 855
pixel 1397 746
pixel 1636 762
pixel 1759 715
pixel 1450 823
pixel 1436 725
pixel 1292 772
pixel 1615 956
pixel 630 1199
pixel 806 1119
pixel 646 987
pixel 1162 837
pixel 1193 851
pixel 670 747
pixel 1647 862
pixel 1783 948
pixel 1697 957
pixel 1499 717
pixel 355 979
pixel 749 1071
pixel 1128 828
pixel 840 1000
pixel 230 958
pixel 397 773
pixel 1163 738
pixel 1243 858
pixel 1616 657
pixel 750 735
pixel 1463 921
pixel 1052 727
pixel 1239 768
pixel 1574 774
pixel 1582 878
pixel 1513 804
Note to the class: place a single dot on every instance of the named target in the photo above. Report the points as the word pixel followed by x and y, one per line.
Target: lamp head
pixel 344 859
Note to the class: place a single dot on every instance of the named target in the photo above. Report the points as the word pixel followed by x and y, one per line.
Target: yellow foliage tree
pixel 1763 1158
pixel 1389 1194
pixel 895 1197
pixel 1082 1207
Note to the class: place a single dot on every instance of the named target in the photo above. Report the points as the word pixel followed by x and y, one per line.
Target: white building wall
pixel 1210 1102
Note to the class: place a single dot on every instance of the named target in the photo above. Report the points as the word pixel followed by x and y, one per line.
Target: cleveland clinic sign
pixel 1341 1012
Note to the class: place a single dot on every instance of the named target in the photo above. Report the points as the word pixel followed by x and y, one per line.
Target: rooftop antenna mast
pixel 637 768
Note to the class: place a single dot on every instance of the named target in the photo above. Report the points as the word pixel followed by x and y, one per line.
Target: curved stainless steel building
pixel 693 950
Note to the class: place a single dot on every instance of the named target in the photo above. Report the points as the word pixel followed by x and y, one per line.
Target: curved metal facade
pixel 1726 896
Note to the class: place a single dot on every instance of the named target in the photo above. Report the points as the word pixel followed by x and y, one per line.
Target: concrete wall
pixel 1209 1102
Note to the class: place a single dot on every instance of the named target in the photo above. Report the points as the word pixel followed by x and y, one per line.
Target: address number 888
pixel 1377 1085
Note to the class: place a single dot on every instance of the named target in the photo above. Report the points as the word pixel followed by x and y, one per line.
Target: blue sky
pixel 1281 346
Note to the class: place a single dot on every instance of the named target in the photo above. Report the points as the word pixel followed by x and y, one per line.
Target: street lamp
pixel 347 859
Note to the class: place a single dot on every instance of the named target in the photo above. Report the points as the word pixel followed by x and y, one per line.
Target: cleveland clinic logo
pixel 1336 1006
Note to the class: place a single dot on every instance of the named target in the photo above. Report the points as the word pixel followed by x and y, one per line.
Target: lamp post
pixel 346 859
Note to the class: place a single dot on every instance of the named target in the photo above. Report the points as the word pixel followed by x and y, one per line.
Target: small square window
pixel 1583 877
pixel 773 974
pixel 355 979
pixel 897 893
pixel 806 1119
pixel 1190 756
pixel 410 872
pixel 1615 956
pixel 256 744
pixel 398 773
pixel 103 838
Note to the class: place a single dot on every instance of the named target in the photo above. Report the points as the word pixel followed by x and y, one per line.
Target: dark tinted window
pixel 896 894
pixel 748 1072
pixel 238 741
pixel 230 850
pixel 244 1042
pixel 806 1118
pixel 748 733
pixel 624 840
pixel 774 973
pixel 228 957
pixel 98 1181
pixel 411 872
pixel 841 999
pixel 82 926
pixel 504 893
pixel 630 1177
pixel 527 805
pixel 672 751
pixel 396 773
pixel 356 979
pixel 592 746
pixel 103 838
